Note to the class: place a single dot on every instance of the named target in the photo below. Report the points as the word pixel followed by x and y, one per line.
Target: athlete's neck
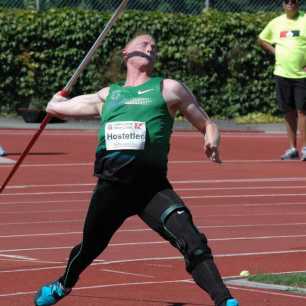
pixel 136 78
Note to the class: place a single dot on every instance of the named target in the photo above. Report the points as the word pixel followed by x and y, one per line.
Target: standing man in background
pixel 285 37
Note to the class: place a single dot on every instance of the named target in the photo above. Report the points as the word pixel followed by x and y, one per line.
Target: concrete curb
pixel 243 282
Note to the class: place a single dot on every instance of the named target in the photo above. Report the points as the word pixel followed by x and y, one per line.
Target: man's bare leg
pixel 291 124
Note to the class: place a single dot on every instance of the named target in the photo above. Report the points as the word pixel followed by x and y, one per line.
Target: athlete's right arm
pixel 89 105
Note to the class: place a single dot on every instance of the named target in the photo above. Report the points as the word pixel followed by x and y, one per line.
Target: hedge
pixel 214 53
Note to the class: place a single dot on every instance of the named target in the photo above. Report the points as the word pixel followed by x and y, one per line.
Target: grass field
pixel 297 280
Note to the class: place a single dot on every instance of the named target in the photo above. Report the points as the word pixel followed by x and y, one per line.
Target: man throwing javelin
pixel 285 38
pixel 136 125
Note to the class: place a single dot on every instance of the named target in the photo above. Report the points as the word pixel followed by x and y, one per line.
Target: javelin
pixel 67 89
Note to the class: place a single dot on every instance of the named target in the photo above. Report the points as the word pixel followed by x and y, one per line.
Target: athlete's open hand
pixel 212 153
pixel 211 143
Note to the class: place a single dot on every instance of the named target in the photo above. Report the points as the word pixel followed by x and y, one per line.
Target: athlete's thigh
pixel 167 214
pixel 107 210
pixel 160 207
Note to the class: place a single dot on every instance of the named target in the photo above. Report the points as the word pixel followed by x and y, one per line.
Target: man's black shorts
pixel 290 94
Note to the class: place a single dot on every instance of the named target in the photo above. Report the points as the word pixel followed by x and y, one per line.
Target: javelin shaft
pixel 26 151
pixel 68 88
pixel 95 46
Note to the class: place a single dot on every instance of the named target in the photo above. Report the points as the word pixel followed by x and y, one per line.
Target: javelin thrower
pixel 137 118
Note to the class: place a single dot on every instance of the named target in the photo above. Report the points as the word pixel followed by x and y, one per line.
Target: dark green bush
pixel 215 54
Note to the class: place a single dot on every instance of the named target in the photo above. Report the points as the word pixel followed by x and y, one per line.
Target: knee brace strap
pixel 199 252
pixel 164 216
pixel 170 210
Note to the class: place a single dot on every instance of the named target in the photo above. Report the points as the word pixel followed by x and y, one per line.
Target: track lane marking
pixel 183 197
pixel 144 259
pixel 127 273
pixel 140 243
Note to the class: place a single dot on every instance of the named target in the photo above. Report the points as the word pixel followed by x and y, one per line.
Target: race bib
pixel 125 135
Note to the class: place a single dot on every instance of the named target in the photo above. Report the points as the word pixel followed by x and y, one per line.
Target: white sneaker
pixel 2 152
pixel 291 153
pixel 303 154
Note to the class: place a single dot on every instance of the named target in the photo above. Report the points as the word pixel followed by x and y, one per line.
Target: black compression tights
pixel 111 204
pixel 107 211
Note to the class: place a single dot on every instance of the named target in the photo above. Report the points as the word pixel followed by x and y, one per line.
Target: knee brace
pixel 179 230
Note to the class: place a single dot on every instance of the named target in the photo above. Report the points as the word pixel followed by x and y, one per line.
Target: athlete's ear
pixel 124 53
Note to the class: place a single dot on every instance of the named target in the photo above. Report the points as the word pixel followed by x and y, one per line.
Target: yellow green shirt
pixel 289 38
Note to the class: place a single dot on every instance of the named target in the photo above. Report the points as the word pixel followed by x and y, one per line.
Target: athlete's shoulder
pixel 103 93
pixel 175 91
pixel 171 84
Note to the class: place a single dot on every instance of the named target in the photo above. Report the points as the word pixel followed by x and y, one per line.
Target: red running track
pixel 252 208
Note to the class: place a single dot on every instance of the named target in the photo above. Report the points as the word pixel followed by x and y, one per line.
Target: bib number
pixel 125 135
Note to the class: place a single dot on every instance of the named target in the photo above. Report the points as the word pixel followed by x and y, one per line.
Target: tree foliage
pixel 215 54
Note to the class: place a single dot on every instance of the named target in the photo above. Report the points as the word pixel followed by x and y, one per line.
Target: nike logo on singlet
pixel 141 92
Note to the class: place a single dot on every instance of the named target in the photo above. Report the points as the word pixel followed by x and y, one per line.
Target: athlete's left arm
pixel 180 98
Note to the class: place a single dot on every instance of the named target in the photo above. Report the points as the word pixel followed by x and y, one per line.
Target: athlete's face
pixel 141 51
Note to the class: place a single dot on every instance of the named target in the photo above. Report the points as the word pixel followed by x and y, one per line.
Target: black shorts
pixel 290 94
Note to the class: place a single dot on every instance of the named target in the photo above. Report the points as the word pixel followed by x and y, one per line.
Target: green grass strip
pixel 292 279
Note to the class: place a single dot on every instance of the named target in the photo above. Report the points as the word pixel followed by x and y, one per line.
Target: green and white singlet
pixel 136 120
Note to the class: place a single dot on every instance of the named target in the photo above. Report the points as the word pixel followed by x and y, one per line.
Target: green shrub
pixel 215 54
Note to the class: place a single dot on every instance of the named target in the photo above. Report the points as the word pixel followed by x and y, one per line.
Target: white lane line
pixel 225 134
pixel 17 257
pixel 229 161
pixel 46 193
pixel 179 189
pixel 127 273
pixel 90 163
pixel 42 222
pixel 86 164
pixel 191 181
pixel 267 292
pixel 207 215
pixel 92 131
pixel 194 205
pixel 36 261
pixel 40 235
pixel 6 161
pixel 147 229
pixel 49 185
pixel 155 259
pixel 241 188
pixel 183 197
pixel 100 286
pixel 42 211
pixel 243 180
pixel 37 249
pixel 40 202
pixel 89 132
pixel 246 195
pixel 153 242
